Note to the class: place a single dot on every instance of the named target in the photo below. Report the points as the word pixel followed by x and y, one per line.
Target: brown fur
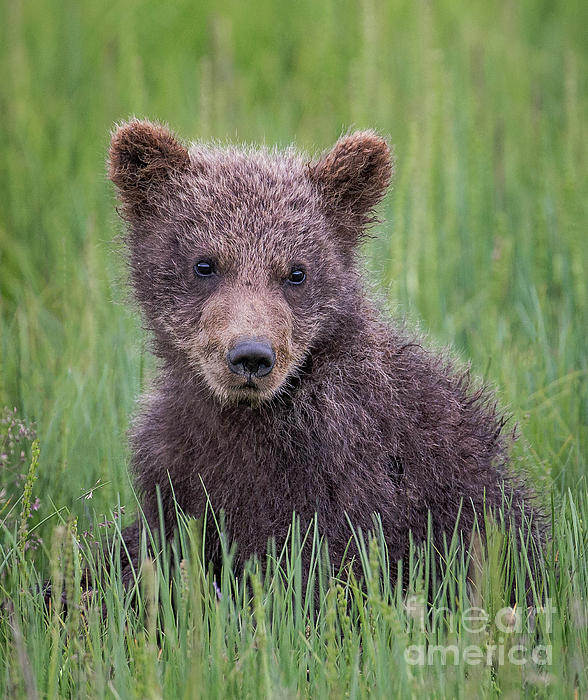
pixel 355 419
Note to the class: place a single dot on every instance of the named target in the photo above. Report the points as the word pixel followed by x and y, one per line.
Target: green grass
pixel 484 244
pixel 177 632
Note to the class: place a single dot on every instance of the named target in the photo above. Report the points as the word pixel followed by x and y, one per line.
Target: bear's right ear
pixel 142 157
pixel 353 177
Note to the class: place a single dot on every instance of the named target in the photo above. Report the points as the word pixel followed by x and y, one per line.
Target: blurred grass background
pixel 484 239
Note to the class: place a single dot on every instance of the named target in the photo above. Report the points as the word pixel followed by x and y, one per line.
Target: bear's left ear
pixel 143 157
pixel 353 177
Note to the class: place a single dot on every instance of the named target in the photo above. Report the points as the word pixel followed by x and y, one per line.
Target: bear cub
pixel 280 387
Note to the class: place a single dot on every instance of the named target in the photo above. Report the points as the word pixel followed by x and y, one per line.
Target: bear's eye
pixel 204 268
pixel 297 275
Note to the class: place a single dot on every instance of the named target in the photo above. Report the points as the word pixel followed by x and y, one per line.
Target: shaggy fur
pixel 356 418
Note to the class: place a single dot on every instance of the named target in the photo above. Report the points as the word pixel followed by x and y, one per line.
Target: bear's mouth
pixel 251 395
pixel 250 391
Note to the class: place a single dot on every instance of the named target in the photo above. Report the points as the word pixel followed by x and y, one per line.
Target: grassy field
pixel 483 244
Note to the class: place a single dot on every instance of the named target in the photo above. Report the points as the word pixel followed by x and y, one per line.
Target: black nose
pixel 251 357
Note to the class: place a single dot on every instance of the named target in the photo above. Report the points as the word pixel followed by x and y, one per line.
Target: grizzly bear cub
pixel 280 387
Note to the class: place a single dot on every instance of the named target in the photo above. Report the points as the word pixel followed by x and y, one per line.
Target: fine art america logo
pixel 508 645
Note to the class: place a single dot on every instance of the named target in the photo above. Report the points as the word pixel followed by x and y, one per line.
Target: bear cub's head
pixel 244 260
